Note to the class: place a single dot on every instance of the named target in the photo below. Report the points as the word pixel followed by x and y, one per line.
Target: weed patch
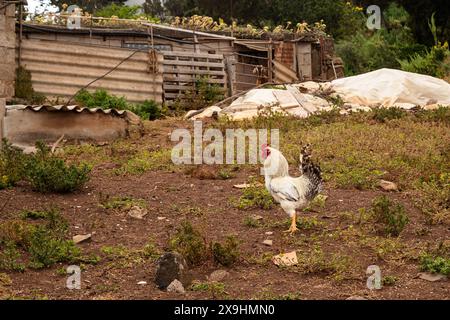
pixel 227 253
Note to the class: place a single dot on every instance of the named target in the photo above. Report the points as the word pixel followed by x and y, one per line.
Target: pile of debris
pixel 381 88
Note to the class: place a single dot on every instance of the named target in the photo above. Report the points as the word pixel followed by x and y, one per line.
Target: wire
pixel 101 77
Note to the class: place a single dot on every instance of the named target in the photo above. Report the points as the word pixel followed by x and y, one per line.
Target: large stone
pixel 171 266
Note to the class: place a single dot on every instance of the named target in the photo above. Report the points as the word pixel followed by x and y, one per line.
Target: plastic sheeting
pixel 389 87
pixel 381 88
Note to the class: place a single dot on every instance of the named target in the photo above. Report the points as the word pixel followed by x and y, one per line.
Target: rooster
pixel 291 193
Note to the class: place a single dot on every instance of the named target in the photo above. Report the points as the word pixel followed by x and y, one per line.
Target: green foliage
pixel 435 264
pixel 11 165
pixel 251 222
pixel 119 11
pixel 189 243
pixel 46 249
pixel 363 50
pixel 226 253
pixel 435 200
pixel 389 280
pixel 148 110
pixel 42 242
pixel 10 258
pixel 391 215
pixel 146 160
pixel 100 99
pixel 24 87
pixel 430 63
pixel 255 197
pixel 203 95
pixel 382 114
pixel 48 173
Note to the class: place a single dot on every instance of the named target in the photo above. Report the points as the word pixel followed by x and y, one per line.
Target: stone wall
pixel 7 50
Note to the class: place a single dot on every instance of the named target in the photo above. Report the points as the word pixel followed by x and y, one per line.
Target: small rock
pixel 171 266
pixel 161 218
pixel 81 238
pixel 142 283
pixel 176 286
pixel 269 233
pixel 241 186
pixel 268 242
pixel 137 212
pixel 387 185
pixel 356 298
pixel 256 217
pixel 286 259
pixel 218 275
pixel 432 277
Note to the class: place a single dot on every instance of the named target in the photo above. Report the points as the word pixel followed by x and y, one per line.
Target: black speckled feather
pixel 311 171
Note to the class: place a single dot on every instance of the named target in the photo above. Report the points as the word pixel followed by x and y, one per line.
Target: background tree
pixel 86 5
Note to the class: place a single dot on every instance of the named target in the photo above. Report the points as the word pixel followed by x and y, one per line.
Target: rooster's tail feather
pixel 311 171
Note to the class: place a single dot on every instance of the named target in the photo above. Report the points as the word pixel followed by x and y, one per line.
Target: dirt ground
pixel 173 195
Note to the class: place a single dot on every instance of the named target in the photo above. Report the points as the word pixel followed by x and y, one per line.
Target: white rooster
pixel 291 193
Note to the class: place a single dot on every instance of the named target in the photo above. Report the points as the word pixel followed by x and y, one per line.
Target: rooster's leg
pixel 293 227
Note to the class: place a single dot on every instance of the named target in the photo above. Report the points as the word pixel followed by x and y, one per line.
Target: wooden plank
pixel 192 55
pixel 283 73
pixel 195 72
pixel 168 78
pixel 192 64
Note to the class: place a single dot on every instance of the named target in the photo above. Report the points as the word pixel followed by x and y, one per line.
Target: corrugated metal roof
pixel 64 108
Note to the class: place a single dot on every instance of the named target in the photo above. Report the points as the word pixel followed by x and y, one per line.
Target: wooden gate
pixel 182 69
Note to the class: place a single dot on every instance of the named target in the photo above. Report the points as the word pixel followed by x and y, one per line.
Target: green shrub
pixel 189 243
pixel 100 99
pixel 255 197
pixel 227 253
pixel 48 173
pixel 435 264
pixel 203 95
pixel 42 242
pixel 10 258
pixel 432 62
pixel 46 249
pixel 148 110
pixel 391 215
pixel 11 165
pixel 435 200
pixel 24 87
pixel 383 114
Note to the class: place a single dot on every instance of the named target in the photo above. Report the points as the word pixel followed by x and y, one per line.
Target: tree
pixel 86 5
pixel 153 8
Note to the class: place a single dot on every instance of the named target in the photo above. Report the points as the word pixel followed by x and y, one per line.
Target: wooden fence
pixel 182 69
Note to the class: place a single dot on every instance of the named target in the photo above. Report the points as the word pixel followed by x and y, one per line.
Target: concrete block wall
pixel 7 50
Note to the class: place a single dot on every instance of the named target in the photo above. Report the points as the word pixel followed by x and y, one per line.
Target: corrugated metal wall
pixel 59 69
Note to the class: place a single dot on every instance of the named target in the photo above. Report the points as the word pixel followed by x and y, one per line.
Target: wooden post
pixel 230 74
pixel 269 62
pixel 2 118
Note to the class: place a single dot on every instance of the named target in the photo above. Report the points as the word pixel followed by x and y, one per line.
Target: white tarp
pixel 384 87
pixel 390 87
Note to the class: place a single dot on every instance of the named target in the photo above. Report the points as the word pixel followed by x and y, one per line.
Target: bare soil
pixel 166 191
